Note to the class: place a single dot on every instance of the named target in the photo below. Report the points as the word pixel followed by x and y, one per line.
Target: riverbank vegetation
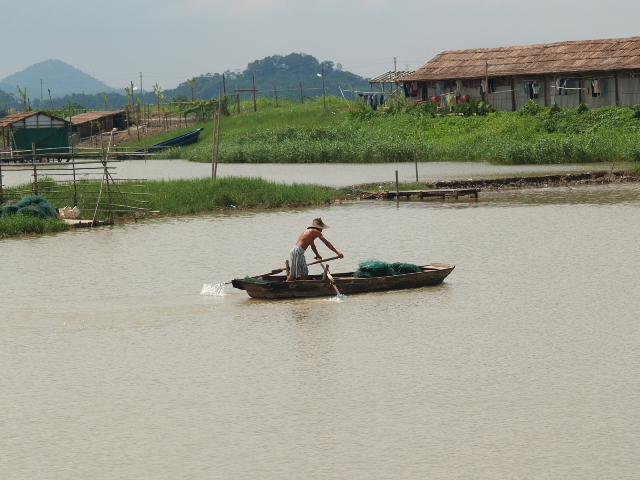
pixel 307 133
pixel 191 196
pixel 180 197
pixel 12 225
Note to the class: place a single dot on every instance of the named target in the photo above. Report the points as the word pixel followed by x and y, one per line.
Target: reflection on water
pixel 523 362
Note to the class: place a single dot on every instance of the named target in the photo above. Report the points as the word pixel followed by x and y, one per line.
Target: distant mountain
pixel 284 73
pixel 61 78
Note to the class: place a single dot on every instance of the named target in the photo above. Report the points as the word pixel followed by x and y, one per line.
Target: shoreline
pixel 512 183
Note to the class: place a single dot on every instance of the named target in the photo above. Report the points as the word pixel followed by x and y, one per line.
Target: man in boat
pixel 298 267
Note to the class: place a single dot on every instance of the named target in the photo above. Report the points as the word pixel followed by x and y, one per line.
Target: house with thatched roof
pixel 594 72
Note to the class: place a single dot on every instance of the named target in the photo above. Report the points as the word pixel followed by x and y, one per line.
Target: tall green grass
pixel 177 197
pixel 295 133
pixel 12 225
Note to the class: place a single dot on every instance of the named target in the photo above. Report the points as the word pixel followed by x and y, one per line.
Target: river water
pixel 335 175
pixel 524 363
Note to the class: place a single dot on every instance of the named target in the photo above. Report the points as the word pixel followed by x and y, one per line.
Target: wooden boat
pixel 317 286
pixel 179 141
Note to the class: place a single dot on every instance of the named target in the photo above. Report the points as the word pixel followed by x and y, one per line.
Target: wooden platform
pixel 440 192
pixel 82 223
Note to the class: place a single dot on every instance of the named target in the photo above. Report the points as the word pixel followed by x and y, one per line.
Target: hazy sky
pixel 172 40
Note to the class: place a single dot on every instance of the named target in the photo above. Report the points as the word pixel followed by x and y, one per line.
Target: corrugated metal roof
pixel 93 116
pixel 391 76
pixel 9 120
pixel 562 57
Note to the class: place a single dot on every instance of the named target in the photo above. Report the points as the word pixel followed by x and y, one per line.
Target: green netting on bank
pixel 373 268
pixel 254 280
pixel 33 205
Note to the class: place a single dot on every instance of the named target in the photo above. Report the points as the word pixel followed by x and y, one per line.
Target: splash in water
pixel 338 298
pixel 216 290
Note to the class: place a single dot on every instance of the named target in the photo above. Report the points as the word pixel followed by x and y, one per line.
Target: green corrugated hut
pixel 49 133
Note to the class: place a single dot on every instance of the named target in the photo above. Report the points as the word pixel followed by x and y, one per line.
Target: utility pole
pixel 141 97
pixel 224 85
pixel 394 65
pixel 255 105
pixel 324 100
pixel 486 80
pixel 41 94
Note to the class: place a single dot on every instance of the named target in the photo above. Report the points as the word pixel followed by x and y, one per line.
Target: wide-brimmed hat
pixel 318 223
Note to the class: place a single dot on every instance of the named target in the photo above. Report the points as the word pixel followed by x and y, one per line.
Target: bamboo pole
pixel 397 187
pixel 213 147
pixel 218 132
pixel 75 185
pixel 1 193
pixel 35 169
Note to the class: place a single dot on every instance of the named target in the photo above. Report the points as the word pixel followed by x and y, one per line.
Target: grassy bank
pixel 183 197
pixel 12 225
pixel 179 197
pixel 294 133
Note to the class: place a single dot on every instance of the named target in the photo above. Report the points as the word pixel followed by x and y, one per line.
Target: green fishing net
pixel 254 280
pixel 374 268
pixel 33 205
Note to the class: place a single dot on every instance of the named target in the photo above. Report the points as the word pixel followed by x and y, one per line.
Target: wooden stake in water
pixel 213 147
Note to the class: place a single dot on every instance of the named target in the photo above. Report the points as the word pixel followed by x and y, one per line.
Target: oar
pixel 273 272
pixel 331 280
pixel 278 270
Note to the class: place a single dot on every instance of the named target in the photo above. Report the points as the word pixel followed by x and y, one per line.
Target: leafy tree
pixel 23 95
pixel 192 84
pixel 158 91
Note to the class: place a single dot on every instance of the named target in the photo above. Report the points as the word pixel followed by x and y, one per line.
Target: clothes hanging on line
pixel 535 89
pixel 598 87
pixel 490 87
pixel 561 84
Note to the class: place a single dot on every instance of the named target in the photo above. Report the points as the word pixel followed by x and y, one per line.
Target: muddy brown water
pixel 335 175
pixel 524 363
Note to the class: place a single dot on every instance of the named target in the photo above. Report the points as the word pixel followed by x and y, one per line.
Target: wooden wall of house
pixel 579 89
pixel 629 90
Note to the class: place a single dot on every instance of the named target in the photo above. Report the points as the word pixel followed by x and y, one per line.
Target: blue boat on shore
pixel 179 141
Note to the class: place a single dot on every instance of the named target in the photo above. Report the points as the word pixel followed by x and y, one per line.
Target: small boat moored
pixel 179 141
pixel 318 286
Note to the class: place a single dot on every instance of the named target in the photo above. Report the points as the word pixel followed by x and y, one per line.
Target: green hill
pixel 282 73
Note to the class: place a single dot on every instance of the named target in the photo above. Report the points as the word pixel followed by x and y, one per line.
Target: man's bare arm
pixel 331 247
